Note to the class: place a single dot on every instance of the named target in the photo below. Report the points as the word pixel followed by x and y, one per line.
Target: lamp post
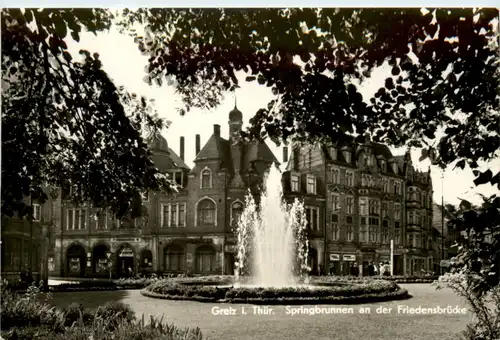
pixel 108 254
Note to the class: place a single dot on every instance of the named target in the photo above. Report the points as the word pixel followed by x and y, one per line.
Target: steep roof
pixel 163 156
pixel 250 157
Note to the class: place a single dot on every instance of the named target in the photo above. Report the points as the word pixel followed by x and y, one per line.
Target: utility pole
pixel 442 221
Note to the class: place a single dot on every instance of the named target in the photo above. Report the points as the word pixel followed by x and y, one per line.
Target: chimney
pixel 285 154
pixel 182 148
pixel 217 129
pixel 197 144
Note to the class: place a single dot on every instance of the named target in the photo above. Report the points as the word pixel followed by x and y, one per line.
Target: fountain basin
pixel 315 292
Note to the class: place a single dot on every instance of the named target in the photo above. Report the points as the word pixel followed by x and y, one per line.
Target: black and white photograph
pixel 247 173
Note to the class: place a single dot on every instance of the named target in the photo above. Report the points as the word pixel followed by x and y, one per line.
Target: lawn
pixel 279 325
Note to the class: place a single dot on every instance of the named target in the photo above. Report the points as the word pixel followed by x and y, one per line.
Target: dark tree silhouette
pixel 444 72
pixel 64 122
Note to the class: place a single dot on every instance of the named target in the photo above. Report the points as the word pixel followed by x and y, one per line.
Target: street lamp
pixel 108 254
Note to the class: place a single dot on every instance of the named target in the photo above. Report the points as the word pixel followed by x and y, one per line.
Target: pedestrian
pixel 371 269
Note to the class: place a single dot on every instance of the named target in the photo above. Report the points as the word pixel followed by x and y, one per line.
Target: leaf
pixel 423 155
pixel 483 178
pixel 465 205
pixel 75 35
pixel 60 26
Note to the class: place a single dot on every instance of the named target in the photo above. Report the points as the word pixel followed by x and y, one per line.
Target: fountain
pixel 272 245
pixel 271 262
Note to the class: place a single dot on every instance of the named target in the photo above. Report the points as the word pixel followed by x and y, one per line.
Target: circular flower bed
pixel 222 289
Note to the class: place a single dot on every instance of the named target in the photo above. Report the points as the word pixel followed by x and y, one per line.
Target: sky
pixel 124 63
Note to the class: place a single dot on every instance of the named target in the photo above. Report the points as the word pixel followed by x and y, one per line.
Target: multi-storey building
pixel 190 231
pixel 363 197
pixel 358 197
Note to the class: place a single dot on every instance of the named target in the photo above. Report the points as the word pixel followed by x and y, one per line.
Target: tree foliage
pixel 479 246
pixel 64 122
pixel 444 72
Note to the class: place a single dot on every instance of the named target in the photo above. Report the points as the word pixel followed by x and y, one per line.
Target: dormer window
pixel 382 165
pixel 179 178
pixel 311 184
pixel 295 180
pixel 395 168
pixel 347 156
pixel 333 153
pixel 206 178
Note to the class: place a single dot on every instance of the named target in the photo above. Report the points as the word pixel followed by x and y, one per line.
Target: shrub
pixel 115 313
pixel 484 307
pixel 327 291
pixel 23 310
pixel 76 313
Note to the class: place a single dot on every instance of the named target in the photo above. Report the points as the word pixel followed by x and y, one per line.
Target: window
pixel 335 202
pixel 174 258
pixel 395 168
pixel 369 160
pixel 397 211
pixel 410 240
pixel 397 237
pixel 236 211
pixel 312 217
pixel 179 178
pixel 335 232
pixel 363 208
pixel 349 179
pixel 382 165
pixel 295 183
pixel 374 207
pixel 373 234
pixel 174 215
pixel 385 210
pixel 385 236
pixel 37 212
pixel 335 175
pixel 206 212
pixel 397 188
pixel 362 233
pixel 364 180
pixel 333 153
pixel 385 184
pixel 350 205
pixel 350 233
pixel 371 181
pixel 102 220
pixel 76 219
pixel 182 214
pixel 206 178
pixel 347 156
pixel 424 200
pixel 205 259
pixel 311 184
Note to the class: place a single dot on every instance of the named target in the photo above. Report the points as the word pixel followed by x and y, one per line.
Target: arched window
pixel 174 258
pixel 205 259
pixel 236 211
pixel 206 212
pixel 206 178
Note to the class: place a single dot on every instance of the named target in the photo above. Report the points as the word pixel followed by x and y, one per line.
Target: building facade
pixel 187 232
pixel 359 197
